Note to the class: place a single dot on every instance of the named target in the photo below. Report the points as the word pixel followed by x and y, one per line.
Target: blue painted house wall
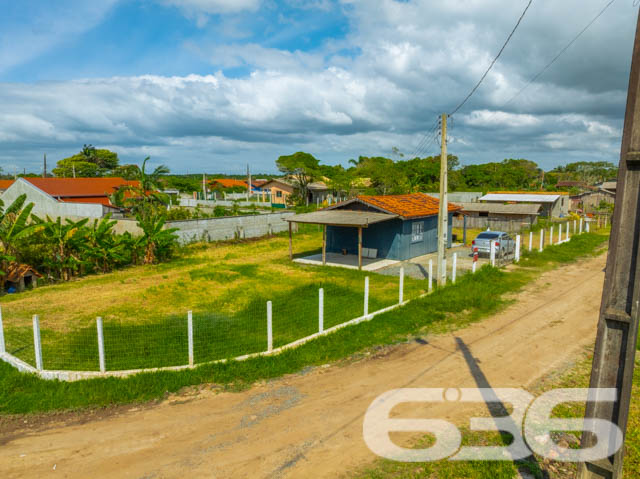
pixel 392 239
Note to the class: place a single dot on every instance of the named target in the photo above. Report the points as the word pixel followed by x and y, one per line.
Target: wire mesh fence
pixel 266 322
pixel 191 338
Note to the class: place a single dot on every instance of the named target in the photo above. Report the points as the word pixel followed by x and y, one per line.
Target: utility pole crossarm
pixel 615 348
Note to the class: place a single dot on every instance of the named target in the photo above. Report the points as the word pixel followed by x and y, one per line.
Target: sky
pixel 214 85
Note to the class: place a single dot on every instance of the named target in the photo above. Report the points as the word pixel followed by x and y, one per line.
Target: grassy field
pixel 227 286
pixel 447 308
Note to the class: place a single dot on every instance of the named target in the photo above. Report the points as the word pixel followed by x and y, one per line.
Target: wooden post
pixel 615 348
pixel 100 345
pixel 360 248
pixel 290 241
pixel 324 244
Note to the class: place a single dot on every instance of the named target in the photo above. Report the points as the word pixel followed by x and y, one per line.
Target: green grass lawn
pixel 227 286
pixel 451 307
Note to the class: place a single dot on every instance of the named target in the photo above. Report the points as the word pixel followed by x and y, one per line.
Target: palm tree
pixel 144 197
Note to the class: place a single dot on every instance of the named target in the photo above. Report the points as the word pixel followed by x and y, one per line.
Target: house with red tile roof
pixel 225 183
pixel 68 197
pixel 393 227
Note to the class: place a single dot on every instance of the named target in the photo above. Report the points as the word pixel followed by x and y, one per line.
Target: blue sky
pixel 210 85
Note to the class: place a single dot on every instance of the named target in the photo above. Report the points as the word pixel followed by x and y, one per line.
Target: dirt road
pixel 310 425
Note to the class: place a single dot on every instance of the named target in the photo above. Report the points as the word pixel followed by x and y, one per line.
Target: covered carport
pixel 338 218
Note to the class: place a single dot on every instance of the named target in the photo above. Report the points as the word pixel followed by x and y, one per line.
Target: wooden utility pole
pixel 443 214
pixel 44 169
pixel 204 186
pixel 615 349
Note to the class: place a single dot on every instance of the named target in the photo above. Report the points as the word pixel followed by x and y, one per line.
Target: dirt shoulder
pixel 309 425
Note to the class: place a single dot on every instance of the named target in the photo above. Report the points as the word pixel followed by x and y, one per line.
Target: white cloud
pixel 199 10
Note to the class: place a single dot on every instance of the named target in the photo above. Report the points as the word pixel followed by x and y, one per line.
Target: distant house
pixel 590 201
pixel 280 190
pixel 395 227
pixel 497 216
pixel 553 204
pixel 319 192
pixel 68 197
pixel 608 186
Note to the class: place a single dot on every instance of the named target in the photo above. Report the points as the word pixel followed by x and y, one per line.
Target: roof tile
pixel 414 205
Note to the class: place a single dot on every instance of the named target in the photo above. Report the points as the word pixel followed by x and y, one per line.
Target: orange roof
pixel 414 205
pixel 4 184
pixel 67 188
pixel 229 182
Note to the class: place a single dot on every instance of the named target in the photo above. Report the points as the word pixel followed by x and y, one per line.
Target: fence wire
pixel 222 333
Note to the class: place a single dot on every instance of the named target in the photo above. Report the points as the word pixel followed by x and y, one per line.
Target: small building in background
pixel 18 277
pixel 68 197
pixel 279 190
pixel 497 216
pixel 460 196
pixel 592 201
pixel 553 205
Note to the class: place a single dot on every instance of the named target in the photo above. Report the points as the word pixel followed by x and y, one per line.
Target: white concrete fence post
pixel 100 344
pixel 3 347
pixel 574 226
pixel 492 252
pixel 37 344
pixel 430 275
pixel 587 223
pixel 321 310
pixel 190 336
pixel 580 226
pixel 551 235
pixel 541 241
pixel 516 255
pixel 269 326
pixel 454 266
pixel 401 286
pixel 366 296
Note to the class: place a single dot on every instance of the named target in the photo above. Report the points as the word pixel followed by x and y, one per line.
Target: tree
pixel 90 162
pixel 128 172
pixel 303 167
pixel 144 197
pixel 65 239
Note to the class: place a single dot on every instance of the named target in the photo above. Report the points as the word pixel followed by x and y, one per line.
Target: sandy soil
pixel 310 424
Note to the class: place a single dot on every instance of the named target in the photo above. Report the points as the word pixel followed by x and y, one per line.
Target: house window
pixel 484 214
pixel 278 194
pixel 417 232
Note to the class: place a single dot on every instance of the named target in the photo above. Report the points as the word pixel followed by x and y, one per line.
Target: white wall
pixel 45 205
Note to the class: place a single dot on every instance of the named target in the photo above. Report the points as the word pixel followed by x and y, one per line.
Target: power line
pixel 493 62
pixel 425 137
pixel 567 46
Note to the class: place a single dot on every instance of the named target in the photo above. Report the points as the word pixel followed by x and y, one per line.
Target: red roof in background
pixel 414 205
pixel 72 188
pixel 4 184
pixel 229 182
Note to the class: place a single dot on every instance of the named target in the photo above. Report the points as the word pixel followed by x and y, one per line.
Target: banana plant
pixel 158 243
pixel 15 228
pixel 66 239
